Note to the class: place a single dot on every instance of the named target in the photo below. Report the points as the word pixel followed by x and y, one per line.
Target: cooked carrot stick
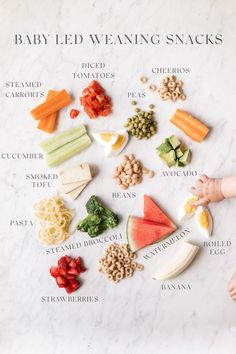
pixel 48 124
pixel 54 104
pixel 191 126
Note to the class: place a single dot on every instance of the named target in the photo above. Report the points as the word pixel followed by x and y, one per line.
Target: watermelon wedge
pixel 153 212
pixel 141 232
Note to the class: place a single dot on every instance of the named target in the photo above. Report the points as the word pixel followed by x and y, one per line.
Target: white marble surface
pixel 134 316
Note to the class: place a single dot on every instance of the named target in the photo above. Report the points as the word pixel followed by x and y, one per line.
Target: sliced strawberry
pixel 69 289
pixel 73 282
pixel 75 285
pixel 62 272
pixel 65 266
pixel 54 271
pixel 81 268
pixel 61 281
pixel 72 264
pixel 61 260
pixel 78 260
pixel 70 276
pixel 73 271
pixel 68 259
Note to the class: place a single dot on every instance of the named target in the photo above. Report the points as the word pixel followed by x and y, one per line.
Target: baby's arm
pixel 214 189
pixel 228 186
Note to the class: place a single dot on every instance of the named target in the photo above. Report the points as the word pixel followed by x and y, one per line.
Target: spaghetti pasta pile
pixel 55 219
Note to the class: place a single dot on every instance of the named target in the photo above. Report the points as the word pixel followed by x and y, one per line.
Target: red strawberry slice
pixel 73 264
pixel 61 281
pixel 69 289
pixel 81 268
pixel 74 283
pixel 54 272
pixel 73 271
pixel 70 276
pixel 62 272
pixel 78 260
pixel 68 259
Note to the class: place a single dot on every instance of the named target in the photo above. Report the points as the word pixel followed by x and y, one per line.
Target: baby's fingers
pixel 204 178
pixel 201 201
pixel 232 292
pixel 196 192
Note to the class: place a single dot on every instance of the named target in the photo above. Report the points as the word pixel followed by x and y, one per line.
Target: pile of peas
pixel 142 125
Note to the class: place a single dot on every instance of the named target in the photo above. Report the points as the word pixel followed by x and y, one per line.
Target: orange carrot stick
pixel 48 124
pixel 191 126
pixel 54 104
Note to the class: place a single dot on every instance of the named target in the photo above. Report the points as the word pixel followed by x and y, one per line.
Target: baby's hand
pixel 207 190
pixel 232 287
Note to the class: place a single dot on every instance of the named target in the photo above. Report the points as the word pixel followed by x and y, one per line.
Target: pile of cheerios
pixel 118 262
pixel 171 89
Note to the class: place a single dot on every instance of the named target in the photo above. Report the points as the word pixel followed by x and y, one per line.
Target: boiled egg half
pixel 204 220
pixel 187 210
pixel 114 142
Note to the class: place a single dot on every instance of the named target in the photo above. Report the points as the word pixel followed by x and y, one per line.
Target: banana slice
pixel 183 258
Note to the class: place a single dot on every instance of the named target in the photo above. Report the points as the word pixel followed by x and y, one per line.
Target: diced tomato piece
pixel 82 101
pixel 61 281
pixel 90 112
pixel 101 99
pixel 69 289
pixel 54 271
pixel 105 112
pixel 96 86
pixel 74 113
pixel 85 91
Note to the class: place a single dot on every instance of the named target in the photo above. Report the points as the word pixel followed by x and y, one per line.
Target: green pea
pixel 151 106
pixel 137 110
pixel 133 103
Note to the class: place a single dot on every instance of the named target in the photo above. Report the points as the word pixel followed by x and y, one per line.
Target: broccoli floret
pixel 94 206
pixel 99 218
pixel 90 224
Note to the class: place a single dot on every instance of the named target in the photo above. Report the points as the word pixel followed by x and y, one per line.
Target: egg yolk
pixel 203 219
pixel 189 209
pixel 119 142
pixel 107 136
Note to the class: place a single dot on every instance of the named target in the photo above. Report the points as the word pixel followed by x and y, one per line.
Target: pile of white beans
pixel 130 172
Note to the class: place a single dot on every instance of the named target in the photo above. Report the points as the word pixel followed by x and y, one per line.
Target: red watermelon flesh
pixel 153 212
pixel 141 232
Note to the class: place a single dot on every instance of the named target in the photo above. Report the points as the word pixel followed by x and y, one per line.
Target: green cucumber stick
pixel 61 139
pixel 68 150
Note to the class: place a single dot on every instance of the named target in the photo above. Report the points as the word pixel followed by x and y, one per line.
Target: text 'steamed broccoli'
pixel 99 218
